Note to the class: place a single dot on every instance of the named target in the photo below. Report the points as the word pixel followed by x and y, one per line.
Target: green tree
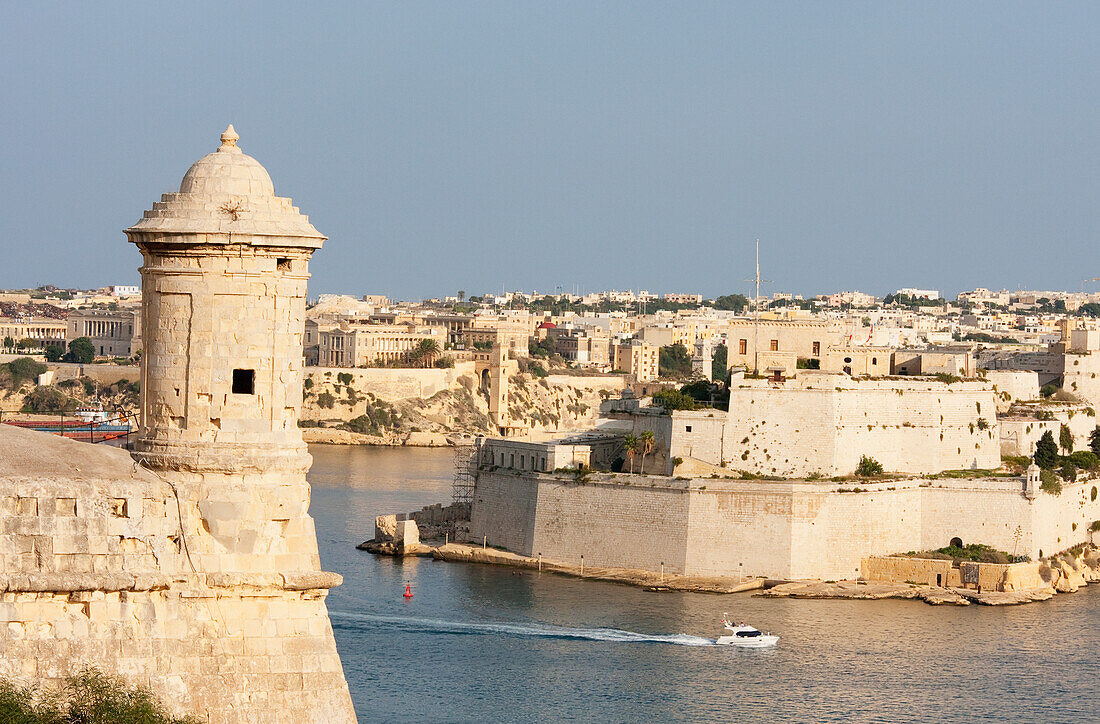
pixel 25 369
pixel 1068 472
pixel 46 400
pixel 674 361
pixel 1094 440
pixel 630 447
pixel 1050 483
pixel 731 302
pixel 673 400
pixel 9 342
pixel 868 467
pixel 425 352
pixel 55 352
pixel 1046 451
pixel 81 350
pixel 1085 460
pixel 1065 439
pixel 647 442
pixel 718 369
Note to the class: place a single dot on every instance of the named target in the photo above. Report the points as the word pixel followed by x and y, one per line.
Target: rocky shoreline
pixel 335 436
pixel 1071 575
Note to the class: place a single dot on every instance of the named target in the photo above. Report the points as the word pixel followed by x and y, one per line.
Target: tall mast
pixel 756 317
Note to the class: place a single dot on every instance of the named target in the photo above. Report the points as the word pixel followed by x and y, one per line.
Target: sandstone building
pixel 194 567
pixel 112 333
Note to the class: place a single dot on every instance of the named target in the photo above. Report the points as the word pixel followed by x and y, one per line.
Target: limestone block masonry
pixel 823 423
pixel 194 568
pixel 787 529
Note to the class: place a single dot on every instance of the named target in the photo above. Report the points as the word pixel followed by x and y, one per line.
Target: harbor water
pixel 480 643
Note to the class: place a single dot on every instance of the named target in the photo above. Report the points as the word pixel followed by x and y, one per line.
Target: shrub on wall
pixel 326 400
pixel 673 400
pixel 89 698
pixel 1085 460
pixel 1051 483
pixel 23 369
pixel 868 467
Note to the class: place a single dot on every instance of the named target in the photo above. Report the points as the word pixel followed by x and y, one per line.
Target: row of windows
pixel 743 346
pixel 537 464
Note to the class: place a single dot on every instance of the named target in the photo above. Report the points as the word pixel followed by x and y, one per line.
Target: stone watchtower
pixel 225 264
pixel 223 290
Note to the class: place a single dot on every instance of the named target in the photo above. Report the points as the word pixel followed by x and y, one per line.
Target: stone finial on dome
pixel 229 139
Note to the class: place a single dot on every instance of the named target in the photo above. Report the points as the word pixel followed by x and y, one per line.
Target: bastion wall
pixel 823 423
pixel 107 564
pixel 778 529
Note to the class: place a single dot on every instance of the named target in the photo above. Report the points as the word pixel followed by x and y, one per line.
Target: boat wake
pixel 537 630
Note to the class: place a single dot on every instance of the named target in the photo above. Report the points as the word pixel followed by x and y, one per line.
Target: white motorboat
pixel 741 634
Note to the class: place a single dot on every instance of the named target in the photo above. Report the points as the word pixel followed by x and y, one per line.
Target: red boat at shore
pixel 91 424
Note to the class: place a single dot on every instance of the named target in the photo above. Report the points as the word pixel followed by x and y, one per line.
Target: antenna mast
pixel 756 314
pixel 756 317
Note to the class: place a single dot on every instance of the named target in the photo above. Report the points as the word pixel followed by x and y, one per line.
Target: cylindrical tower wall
pixel 222 367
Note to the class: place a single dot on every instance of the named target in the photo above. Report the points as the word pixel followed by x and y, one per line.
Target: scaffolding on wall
pixel 462 489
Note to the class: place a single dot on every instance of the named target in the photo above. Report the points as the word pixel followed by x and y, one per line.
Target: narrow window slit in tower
pixel 244 382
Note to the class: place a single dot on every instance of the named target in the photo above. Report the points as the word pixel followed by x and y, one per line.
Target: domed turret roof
pixel 227 170
pixel 226 195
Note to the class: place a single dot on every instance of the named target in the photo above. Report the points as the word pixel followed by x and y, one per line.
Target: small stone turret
pixel 223 294
pixel 1032 480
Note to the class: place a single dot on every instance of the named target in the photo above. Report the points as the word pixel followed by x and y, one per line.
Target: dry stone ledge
pixel 77 582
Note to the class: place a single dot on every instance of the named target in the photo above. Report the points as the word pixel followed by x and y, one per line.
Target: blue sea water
pixel 481 643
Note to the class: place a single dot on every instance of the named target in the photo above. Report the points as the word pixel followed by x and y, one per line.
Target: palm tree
pixel 647 442
pixel 425 351
pixel 630 447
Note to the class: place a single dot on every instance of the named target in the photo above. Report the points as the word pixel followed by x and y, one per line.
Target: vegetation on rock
pixel 674 361
pixel 1050 482
pixel 88 698
pixel 868 467
pixel 673 400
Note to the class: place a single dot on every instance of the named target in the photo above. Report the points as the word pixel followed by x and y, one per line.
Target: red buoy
pixel 408 591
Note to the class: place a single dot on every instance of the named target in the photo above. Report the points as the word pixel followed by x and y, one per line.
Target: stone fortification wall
pixel 386 383
pixel 823 424
pixel 833 531
pixel 1013 385
pixel 902 569
pixel 1081 377
pixel 103 374
pixel 504 511
pixel 1061 521
pixel 1020 429
pixel 219 612
pixel 780 529
pixel 937 572
pixel 639 530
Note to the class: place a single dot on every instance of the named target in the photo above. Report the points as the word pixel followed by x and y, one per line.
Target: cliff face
pixel 391 403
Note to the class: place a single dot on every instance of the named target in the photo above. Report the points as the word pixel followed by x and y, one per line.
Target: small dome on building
pixel 226 194
pixel 548 325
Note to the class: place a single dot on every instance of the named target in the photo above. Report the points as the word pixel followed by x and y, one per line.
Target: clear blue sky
pixel 454 145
